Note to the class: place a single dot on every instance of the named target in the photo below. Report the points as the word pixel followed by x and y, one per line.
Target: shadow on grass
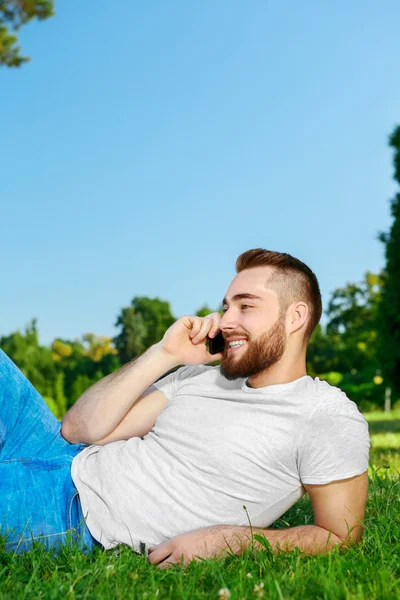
pixel 384 426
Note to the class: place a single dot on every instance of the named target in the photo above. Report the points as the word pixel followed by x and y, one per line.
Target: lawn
pixel 370 570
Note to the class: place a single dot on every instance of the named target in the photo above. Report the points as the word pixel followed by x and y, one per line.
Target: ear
pixel 297 315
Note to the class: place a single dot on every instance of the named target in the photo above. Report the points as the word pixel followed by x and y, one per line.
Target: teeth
pixel 237 343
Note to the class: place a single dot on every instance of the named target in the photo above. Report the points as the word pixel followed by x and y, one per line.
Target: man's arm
pixel 338 514
pixel 102 408
pixel 124 404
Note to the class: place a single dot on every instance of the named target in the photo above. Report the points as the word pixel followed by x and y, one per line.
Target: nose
pixel 228 321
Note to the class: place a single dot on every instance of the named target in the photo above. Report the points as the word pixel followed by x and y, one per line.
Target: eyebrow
pixel 238 297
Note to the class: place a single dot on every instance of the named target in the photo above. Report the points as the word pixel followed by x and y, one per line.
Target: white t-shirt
pixel 219 453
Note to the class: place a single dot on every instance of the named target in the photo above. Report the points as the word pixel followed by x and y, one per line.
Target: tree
pixel 98 346
pixel 345 353
pixel 206 310
pixel 63 372
pixel 14 14
pixel 352 324
pixel 389 313
pixel 348 343
pixel 320 353
pixel 157 317
pixel 36 362
pixel 130 341
pixel 83 362
pixel 142 324
pixel 60 350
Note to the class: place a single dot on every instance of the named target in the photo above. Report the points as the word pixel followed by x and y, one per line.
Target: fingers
pixel 202 331
pixel 163 556
pixel 168 563
pixel 214 357
pixel 159 553
pixel 204 326
pixel 215 317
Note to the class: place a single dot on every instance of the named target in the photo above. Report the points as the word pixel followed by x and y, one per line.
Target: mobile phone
pixel 216 344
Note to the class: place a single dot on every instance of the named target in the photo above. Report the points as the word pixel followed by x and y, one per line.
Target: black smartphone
pixel 216 344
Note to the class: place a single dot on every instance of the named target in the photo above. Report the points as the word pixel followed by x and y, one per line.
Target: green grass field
pixel 367 571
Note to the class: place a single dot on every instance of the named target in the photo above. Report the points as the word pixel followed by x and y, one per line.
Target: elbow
pixel 340 541
pixel 353 537
pixel 67 431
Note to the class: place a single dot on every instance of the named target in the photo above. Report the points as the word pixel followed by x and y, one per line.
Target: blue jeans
pixel 38 499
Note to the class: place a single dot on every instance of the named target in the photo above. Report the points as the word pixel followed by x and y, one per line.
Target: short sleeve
pixel 335 443
pixel 170 384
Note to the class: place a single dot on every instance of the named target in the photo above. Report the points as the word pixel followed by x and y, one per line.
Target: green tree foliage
pixel 346 352
pixel 206 310
pixel 35 361
pixel 157 317
pixel 141 324
pixel 98 346
pixel 63 372
pixel 14 14
pixel 389 314
pixel 320 353
pixel 130 341
pixel 83 362
pixel 203 311
pixel 352 325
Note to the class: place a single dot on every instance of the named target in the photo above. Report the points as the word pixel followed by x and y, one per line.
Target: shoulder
pixel 334 444
pixel 186 375
pixel 206 379
pixel 328 398
pixel 192 380
pixel 193 371
pixel 332 408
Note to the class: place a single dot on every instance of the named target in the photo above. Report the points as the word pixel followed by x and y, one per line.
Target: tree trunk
pixel 388 399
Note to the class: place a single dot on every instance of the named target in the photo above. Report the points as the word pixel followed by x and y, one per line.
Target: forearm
pixel 310 539
pixel 222 539
pixel 102 407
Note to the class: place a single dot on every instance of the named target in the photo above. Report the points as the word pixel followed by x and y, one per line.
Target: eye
pixel 245 306
pixel 224 309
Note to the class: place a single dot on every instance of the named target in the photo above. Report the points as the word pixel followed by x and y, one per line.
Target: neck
pixel 281 372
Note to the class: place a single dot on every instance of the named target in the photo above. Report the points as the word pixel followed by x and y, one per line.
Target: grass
pixel 368 571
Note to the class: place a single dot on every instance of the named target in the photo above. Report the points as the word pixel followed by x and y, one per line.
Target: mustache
pixel 235 334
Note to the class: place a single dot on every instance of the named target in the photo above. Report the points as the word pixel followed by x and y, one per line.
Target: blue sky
pixel 148 144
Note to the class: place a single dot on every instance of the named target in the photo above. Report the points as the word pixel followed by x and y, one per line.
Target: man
pixel 180 465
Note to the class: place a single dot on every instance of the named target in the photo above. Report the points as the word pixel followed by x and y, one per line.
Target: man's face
pixel 253 328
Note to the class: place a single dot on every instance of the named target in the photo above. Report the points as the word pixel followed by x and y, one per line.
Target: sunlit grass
pixel 380 415
pixel 385 441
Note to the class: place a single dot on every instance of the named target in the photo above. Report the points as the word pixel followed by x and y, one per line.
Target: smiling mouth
pixel 234 346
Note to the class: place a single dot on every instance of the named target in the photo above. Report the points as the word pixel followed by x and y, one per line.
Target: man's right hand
pixel 186 339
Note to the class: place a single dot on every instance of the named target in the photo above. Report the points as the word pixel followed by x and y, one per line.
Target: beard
pixel 259 355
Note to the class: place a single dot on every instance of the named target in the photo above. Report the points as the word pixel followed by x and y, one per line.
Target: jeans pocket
pixel 72 516
pixel 76 523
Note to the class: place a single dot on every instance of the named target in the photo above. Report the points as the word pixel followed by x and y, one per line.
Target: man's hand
pixel 210 542
pixel 186 339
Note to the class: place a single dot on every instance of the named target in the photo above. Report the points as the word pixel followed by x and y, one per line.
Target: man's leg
pixel 27 426
pixel 38 500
